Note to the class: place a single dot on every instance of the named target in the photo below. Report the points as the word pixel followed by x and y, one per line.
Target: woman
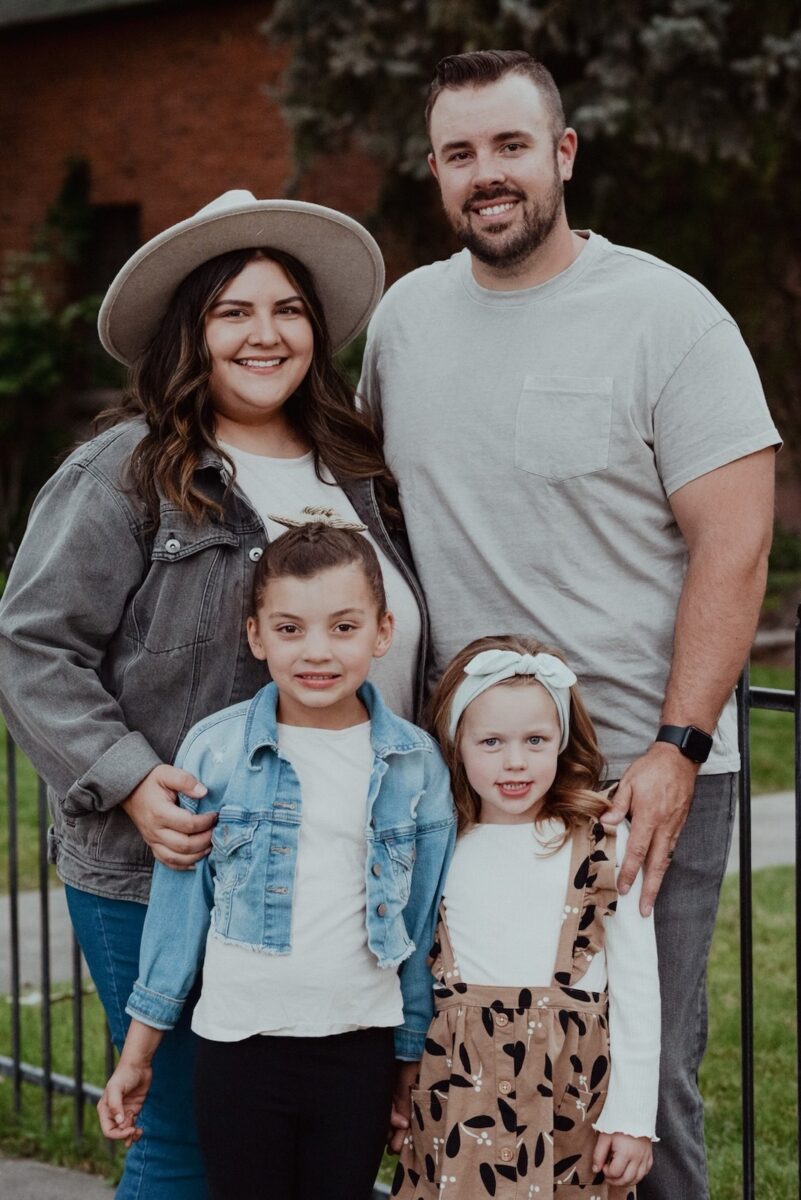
pixel 122 623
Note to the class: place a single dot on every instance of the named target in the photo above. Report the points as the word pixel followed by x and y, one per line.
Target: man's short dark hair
pixel 481 67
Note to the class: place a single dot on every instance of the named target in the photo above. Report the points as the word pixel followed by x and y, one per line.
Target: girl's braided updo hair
pixel 316 546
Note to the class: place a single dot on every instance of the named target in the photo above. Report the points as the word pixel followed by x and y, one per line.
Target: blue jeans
pixel 684 918
pixel 165 1163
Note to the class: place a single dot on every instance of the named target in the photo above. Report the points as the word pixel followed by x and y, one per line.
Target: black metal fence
pixel 83 1093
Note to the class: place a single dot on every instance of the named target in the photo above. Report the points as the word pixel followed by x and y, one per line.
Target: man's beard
pixel 491 247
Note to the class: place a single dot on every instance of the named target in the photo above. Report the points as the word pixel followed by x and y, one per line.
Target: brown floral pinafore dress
pixel 513 1078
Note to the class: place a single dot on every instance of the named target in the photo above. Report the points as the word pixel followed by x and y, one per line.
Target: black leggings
pixel 285 1118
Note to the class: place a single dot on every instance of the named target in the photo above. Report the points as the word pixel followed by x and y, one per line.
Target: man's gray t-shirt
pixel 536 436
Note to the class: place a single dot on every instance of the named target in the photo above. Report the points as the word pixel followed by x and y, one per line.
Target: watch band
pixel 693 743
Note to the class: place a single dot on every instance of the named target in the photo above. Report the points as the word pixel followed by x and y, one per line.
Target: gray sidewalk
pixel 772 833
pixel 773 844
pixel 22 1179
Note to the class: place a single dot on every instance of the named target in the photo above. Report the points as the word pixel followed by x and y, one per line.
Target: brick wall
pixel 170 108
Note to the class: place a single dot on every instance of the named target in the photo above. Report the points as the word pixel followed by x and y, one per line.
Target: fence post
pixel 13 913
pixel 797 717
pixel 44 949
pixel 746 937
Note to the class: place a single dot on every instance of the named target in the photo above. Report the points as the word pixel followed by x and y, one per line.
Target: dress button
pixel 504 1087
pixel 376 869
pixel 172 545
pixel 507 1154
pixel 255 554
pixel 382 910
pixel 501 1020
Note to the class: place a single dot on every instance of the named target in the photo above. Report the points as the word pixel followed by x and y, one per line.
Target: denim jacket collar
pixel 389 734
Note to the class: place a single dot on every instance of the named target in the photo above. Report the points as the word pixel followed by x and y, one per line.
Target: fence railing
pixel 83 1093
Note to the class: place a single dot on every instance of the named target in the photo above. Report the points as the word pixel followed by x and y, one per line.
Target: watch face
pixel 696 744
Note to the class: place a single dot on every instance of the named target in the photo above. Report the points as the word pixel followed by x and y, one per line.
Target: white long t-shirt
pixel 505 904
pixel 330 982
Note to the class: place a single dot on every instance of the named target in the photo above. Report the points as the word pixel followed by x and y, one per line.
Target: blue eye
pixel 535 739
pixel 490 741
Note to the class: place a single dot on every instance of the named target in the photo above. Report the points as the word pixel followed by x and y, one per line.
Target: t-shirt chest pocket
pixel 564 425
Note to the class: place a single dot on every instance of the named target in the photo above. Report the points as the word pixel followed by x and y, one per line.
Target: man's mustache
pixel 489 194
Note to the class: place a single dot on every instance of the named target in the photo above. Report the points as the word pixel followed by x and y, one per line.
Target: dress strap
pixel 591 895
pixel 443 961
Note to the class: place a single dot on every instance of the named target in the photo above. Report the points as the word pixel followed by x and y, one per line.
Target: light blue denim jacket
pixel 244 888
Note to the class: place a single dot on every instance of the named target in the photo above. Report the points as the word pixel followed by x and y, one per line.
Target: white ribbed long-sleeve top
pixel 505 902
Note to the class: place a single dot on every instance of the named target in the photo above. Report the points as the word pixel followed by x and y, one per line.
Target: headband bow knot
pixel 495 666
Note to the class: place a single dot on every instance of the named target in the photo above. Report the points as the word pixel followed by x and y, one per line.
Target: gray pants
pixel 684 916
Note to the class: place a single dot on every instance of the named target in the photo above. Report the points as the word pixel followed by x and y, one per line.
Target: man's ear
pixel 432 165
pixel 566 153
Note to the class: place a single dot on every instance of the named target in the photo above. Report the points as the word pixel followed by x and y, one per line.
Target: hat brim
pixel 342 257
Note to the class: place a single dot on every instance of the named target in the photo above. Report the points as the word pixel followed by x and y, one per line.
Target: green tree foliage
pixel 39 344
pixel 688 113
pixel 43 356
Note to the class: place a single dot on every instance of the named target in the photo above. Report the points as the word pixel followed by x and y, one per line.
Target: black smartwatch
pixel 692 742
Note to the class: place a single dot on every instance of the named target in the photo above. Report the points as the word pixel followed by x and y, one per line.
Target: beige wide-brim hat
pixel 343 258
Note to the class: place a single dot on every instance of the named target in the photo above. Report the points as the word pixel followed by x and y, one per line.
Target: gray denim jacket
pixel 115 640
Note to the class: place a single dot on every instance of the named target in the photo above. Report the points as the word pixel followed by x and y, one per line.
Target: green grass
pixel 775 1042
pixel 772 763
pixel 27 819
pixel 25 1136
pixel 774 941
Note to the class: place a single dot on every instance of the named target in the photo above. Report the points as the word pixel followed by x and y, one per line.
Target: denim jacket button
pixel 382 910
pixel 172 545
pixel 376 869
pixel 255 554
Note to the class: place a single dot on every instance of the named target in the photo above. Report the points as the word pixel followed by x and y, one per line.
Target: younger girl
pixel 334 821
pixel 538 965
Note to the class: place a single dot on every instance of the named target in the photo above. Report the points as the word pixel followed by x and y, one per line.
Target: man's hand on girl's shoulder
pixel 656 792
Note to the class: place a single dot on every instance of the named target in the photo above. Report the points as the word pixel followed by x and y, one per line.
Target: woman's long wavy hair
pixel 169 385
pixel 573 797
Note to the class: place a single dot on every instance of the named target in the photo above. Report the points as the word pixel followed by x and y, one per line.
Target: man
pixel 584 453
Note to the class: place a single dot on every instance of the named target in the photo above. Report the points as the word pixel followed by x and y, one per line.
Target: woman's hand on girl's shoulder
pixel 624 1159
pixel 177 838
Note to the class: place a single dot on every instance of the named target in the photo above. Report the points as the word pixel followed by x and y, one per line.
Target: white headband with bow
pixel 494 666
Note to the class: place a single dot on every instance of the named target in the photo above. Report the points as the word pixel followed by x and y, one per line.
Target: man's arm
pixel 726 518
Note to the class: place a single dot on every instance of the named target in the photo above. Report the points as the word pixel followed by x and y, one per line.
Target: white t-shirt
pixel 536 436
pixel 286 486
pixel 330 982
pixel 505 904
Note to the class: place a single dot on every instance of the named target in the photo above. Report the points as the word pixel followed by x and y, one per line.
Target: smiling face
pixel 260 342
pixel 319 636
pixel 509 746
pixel 499 172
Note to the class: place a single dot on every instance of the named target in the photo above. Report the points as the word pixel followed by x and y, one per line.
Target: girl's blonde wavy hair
pixel 574 795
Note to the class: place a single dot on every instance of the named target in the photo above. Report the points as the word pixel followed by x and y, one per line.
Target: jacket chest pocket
pixel 232 842
pixel 179 602
pixel 564 426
